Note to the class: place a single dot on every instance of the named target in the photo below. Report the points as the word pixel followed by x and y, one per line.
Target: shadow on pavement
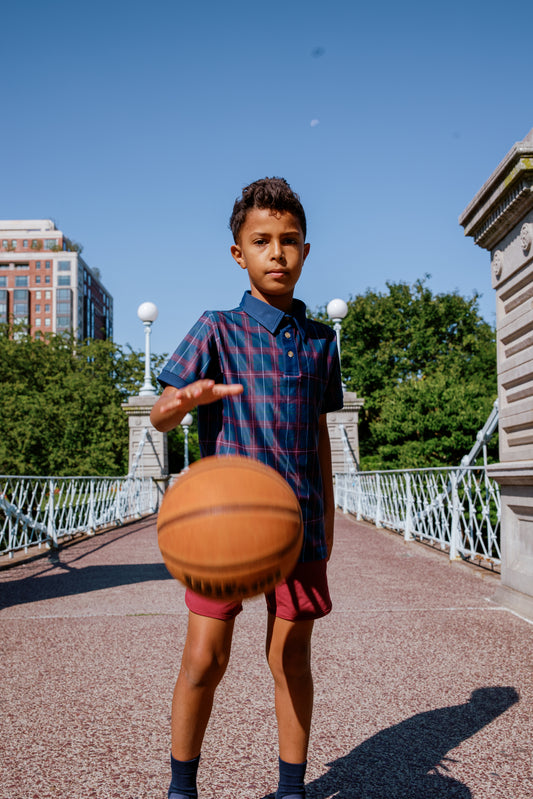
pixel 71 581
pixel 406 761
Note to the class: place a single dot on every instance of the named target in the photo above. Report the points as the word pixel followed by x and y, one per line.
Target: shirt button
pixel 287 334
pixel 290 354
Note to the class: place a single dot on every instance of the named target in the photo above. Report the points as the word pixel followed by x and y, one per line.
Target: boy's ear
pixel 307 247
pixel 236 251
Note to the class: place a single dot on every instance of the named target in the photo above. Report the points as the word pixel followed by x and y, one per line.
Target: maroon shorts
pixel 304 595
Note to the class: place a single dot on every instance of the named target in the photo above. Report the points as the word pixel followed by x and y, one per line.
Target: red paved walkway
pixel 423 688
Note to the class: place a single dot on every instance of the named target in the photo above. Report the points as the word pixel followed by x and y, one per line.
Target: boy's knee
pixel 204 668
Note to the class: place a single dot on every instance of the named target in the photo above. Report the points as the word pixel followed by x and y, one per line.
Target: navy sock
pixel 183 783
pixel 291 780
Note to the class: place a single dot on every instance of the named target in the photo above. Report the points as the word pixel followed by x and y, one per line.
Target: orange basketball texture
pixel 230 527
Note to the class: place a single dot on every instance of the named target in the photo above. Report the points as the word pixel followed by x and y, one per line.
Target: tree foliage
pixel 425 365
pixel 176 447
pixel 60 404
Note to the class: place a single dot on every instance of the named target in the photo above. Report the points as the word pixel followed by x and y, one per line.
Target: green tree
pixel 425 365
pixel 176 447
pixel 60 404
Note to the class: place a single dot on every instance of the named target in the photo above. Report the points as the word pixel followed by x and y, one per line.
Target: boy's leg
pixel 205 657
pixel 293 607
pixel 288 649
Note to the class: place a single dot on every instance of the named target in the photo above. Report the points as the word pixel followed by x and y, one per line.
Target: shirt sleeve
pixel 333 396
pixel 195 357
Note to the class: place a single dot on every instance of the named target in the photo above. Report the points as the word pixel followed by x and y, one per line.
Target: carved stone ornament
pixel 526 237
pixel 497 264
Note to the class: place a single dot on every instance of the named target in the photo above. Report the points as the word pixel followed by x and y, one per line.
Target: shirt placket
pixel 289 347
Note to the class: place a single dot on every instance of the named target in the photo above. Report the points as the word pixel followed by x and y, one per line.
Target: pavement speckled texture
pixel 423 688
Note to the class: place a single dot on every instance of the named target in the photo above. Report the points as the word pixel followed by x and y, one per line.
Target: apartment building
pixel 46 285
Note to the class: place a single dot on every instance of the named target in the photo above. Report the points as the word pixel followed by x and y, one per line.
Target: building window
pixel 63 266
pixel 64 294
pixel 22 266
pixel 25 243
pixel 37 278
pixel 63 322
pixel 49 243
pixel 47 295
pixel 21 280
pixel 5 244
pixel 37 264
pixel 37 295
pixel 3 281
pixel 47 308
pixel 47 278
pixel 63 280
pixel 3 306
pixel 21 308
pixel 47 322
pixel 37 309
pixel 47 264
pixel 38 322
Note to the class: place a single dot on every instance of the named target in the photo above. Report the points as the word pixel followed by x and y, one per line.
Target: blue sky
pixel 135 126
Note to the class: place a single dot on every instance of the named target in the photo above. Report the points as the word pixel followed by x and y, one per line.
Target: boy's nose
pixel 278 253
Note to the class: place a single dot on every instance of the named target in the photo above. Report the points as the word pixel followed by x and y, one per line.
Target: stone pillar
pixel 500 219
pixel 154 462
pixel 349 418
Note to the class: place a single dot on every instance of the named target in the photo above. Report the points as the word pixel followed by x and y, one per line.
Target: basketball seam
pixel 221 570
pixel 224 510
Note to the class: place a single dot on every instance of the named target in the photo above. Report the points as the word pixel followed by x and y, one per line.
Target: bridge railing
pixel 457 510
pixel 43 510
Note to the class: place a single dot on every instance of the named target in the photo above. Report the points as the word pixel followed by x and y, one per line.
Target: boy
pixel 263 378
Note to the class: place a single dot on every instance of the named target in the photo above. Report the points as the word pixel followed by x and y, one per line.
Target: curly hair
pixel 274 193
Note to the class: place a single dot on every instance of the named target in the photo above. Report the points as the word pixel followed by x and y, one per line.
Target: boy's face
pixel 272 249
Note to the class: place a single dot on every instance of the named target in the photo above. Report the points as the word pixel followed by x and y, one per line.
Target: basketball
pixel 230 527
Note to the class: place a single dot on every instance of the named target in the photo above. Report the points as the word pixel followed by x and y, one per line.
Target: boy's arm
pixel 174 403
pixel 324 456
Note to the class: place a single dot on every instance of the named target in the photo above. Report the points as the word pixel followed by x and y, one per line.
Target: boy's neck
pixel 282 302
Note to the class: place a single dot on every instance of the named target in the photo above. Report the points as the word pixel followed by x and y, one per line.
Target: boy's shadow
pixel 402 762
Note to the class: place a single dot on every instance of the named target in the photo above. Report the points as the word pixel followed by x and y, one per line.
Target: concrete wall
pixel 500 219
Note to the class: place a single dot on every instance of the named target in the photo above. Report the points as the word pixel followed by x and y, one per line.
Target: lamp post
pixel 186 422
pixel 337 310
pixel 147 313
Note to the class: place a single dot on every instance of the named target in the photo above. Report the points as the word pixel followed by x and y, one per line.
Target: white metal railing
pixel 42 510
pixel 457 509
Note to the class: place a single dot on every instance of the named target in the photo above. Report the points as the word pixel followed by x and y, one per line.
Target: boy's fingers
pixel 223 389
pixel 203 390
pixel 197 389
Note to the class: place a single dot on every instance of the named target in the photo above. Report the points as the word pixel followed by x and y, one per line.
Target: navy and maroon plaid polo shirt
pixel 289 367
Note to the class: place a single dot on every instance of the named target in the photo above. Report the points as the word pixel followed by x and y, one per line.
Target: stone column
pixel 349 418
pixel 500 219
pixel 154 462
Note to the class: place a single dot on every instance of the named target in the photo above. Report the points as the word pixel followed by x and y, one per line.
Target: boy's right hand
pixel 174 403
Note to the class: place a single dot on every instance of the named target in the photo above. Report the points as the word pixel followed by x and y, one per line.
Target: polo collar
pixel 271 317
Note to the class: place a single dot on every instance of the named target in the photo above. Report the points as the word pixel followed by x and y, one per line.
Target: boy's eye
pixel 259 241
